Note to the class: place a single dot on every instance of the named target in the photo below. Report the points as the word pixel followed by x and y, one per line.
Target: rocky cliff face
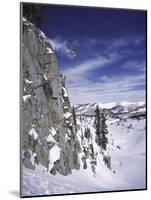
pixel 48 130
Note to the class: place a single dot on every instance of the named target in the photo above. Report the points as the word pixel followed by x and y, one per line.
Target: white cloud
pixel 79 72
pixel 135 65
pixel 121 42
pixel 116 42
pixel 61 46
pixel 110 90
pixel 124 42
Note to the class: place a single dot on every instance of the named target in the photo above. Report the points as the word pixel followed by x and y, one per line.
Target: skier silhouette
pixel 73 53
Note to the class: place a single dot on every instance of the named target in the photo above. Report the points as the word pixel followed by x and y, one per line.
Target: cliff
pixel 48 131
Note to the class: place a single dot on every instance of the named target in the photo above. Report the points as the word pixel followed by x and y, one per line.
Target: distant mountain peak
pixel 122 107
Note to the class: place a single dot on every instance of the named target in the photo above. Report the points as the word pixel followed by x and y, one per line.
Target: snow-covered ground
pixel 127 150
pixel 129 161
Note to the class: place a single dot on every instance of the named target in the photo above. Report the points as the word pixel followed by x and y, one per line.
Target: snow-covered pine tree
pixel 74 116
pixel 87 133
pixel 97 125
pixel 101 129
pixel 101 132
pixel 104 139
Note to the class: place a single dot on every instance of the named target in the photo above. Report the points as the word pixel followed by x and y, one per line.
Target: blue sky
pixel 110 43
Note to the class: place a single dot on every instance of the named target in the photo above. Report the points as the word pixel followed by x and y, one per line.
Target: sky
pixel 111 53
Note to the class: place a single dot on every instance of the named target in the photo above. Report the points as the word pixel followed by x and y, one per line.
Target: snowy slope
pixel 126 148
pixel 129 161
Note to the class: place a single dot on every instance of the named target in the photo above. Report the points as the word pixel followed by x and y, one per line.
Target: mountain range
pixel 123 109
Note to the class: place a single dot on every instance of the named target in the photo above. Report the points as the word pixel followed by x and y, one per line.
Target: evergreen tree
pixel 34 13
pixel 104 140
pixel 74 116
pixel 97 126
pixel 87 133
pixel 101 129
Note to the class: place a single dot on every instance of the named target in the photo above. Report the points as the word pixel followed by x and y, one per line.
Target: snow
pixel 24 19
pixel 138 111
pixel 39 182
pixel 33 133
pixel 62 100
pixel 33 155
pixel 49 50
pixel 123 107
pixel 27 81
pixel 43 35
pixel 67 115
pixel 127 162
pixel 45 77
pixel 107 105
pixel 26 22
pixel 25 97
pixel 50 138
pixel 141 103
pixel 67 137
pixel 126 104
pixel 53 131
pixel 54 154
pixel 65 92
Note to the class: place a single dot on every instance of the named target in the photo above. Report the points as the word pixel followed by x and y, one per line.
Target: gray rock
pixel 28 164
pixel 27 154
pixel 43 108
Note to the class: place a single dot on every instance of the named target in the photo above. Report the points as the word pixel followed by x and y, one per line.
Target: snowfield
pixel 128 164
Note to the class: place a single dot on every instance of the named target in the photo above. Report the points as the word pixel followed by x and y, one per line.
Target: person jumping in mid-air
pixel 73 53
